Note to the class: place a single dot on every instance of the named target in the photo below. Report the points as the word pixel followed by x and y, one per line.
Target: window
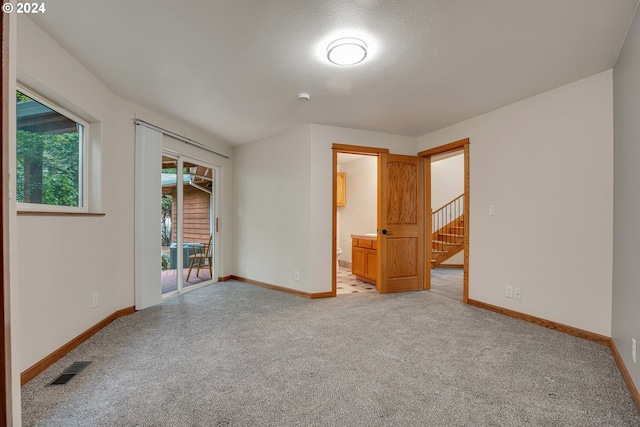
pixel 50 157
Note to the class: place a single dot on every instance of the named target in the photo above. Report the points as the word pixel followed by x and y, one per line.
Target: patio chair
pixel 201 257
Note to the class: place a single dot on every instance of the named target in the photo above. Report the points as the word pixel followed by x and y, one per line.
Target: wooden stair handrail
pixel 445 230
pixel 447 204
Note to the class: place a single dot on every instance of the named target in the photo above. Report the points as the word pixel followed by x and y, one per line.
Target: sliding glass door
pixel 197 223
pixel 187 224
pixel 169 225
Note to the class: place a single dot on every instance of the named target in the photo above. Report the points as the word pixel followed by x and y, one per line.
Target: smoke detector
pixel 303 97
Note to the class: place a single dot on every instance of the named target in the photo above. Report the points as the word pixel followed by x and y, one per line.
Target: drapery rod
pixel 179 137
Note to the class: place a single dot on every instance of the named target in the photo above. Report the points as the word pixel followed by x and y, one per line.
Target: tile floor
pixel 346 283
pixel 447 282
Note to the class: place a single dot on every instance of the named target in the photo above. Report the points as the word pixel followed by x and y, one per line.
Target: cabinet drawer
pixel 374 244
pixel 366 244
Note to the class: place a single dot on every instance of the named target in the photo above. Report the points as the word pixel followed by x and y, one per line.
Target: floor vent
pixel 70 372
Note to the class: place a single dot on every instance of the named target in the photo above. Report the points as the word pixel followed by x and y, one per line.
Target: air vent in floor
pixel 70 372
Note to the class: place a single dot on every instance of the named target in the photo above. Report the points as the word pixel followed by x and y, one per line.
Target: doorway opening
pixel 356 223
pixel 354 239
pixel 447 213
pixel 447 224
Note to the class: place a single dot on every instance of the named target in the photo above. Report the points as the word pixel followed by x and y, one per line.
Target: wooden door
pixel 400 223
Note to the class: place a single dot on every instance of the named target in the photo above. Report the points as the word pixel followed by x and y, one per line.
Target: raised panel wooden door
pixel 400 223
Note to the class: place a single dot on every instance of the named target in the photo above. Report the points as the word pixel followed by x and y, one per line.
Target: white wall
pixel 447 180
pixel 62 261
pixel 547 164
pixel 272 202
pixel 626 208
pixel 282 203
pixel 360 215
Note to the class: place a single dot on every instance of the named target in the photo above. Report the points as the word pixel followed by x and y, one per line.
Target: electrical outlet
pixel 296 276
pixel 95 300
pixel 634 350
pixel 508 292
pixel 517 293
pixel 492 210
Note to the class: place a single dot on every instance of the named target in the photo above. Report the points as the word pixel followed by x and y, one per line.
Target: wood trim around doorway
pixel 461 145
pixel 452 146
pixel 356 149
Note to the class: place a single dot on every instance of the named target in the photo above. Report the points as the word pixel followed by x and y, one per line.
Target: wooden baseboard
pixel 450 266
pixel 633 390
pixel 225 278
pixel 283 289
pixel 32 372
pixel 321 295
pixel 580 333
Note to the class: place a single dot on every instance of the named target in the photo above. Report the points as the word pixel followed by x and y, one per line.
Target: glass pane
pixel 48 153
pixel 167 229
pixel 197 222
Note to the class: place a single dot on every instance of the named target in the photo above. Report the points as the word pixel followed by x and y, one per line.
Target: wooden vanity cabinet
pixel 364 259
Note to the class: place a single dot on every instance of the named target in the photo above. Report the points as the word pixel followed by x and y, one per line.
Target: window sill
pixel 45 213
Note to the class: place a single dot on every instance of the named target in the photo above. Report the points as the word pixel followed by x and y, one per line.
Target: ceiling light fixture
pixel 347 51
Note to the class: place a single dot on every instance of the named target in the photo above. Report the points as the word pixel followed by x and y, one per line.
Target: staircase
pixel 448 231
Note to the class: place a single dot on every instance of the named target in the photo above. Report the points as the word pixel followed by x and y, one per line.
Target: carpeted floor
pixel 233 354
pixel 448 282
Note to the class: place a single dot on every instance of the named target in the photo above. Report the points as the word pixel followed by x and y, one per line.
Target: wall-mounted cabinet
pixel 341 184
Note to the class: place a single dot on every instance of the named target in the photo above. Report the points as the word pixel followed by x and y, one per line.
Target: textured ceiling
pixel 234 67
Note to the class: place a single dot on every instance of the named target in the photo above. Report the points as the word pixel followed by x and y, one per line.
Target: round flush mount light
pixel 347 51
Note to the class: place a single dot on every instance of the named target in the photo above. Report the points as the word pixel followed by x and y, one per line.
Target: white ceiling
pixel 234 67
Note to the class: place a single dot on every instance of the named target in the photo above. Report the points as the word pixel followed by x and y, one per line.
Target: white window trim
pixel 84 154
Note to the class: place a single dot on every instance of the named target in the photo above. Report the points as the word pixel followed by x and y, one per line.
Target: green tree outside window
pixel 48 155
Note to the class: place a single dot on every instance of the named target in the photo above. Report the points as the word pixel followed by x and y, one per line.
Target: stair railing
pixel 443 222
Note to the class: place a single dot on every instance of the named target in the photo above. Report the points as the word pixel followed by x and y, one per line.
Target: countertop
pixel 365 236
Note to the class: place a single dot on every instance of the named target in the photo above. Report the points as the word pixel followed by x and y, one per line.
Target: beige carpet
pixel 237 355
pixel 448 282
